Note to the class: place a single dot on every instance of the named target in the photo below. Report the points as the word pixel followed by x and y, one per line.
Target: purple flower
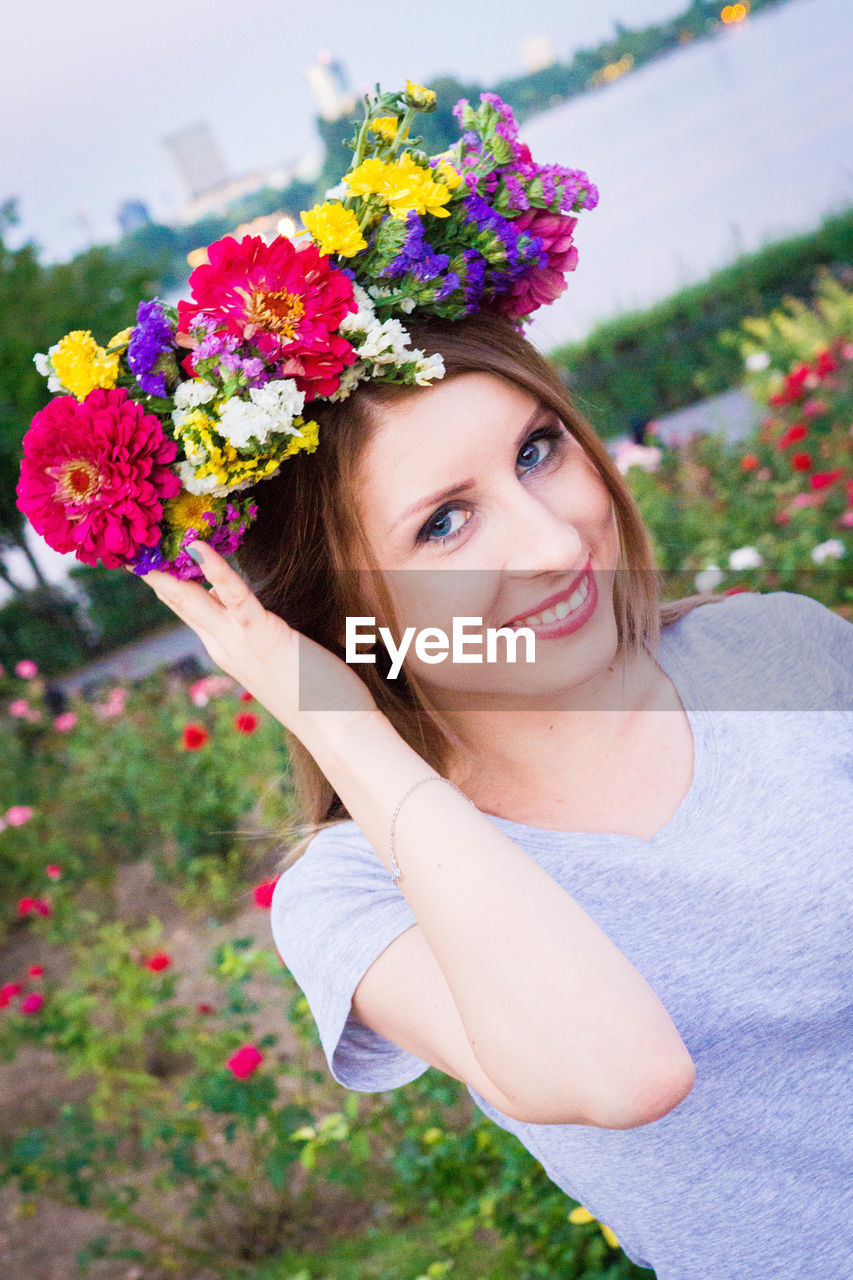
pixel 151 350
pixel 417 255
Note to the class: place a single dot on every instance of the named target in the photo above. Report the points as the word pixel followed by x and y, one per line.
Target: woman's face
pixel 478 503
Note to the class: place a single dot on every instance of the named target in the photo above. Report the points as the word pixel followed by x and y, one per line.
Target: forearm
pixel 554 1012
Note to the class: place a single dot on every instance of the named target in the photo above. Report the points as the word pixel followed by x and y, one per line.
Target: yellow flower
pixel 186 511
pixel 81 365
pixel 448 175
pixel 120 340
pixel 580 1215
pixel 609 1236
pixel 335 229
pixel 385 126
pixel 419 97
pixel 210 455
pixel 370 178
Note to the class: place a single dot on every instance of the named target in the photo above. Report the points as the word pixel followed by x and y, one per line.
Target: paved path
pixel 733 411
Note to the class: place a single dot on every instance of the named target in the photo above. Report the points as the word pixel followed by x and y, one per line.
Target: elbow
pixel 660 1095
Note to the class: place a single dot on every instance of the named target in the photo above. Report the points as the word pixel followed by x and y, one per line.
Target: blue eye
pixel 537 450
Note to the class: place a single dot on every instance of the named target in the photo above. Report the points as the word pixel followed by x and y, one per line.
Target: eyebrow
pixel 453 491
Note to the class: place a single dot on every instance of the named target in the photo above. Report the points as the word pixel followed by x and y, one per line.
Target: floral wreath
pixel 151 439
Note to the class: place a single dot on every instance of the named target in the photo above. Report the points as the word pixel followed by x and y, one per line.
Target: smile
pixel 565 612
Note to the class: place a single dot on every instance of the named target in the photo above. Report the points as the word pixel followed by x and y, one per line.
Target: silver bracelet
pixel 397 875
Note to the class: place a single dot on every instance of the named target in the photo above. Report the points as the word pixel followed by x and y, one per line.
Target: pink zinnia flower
pixel 158 961
pixel 20 707
pixel 26 669
pixel 18 815
pixel 246 722
pixel 245 696
pixel 263 893
pixel 287 302
pixel 53 871
pixel 7 993
pixel 94 476
pixel 204 1008
pixel 542 285
pixel 246 1060
pixel 823 479
pixel 66 721
pixel 35 971
pixel 32 1003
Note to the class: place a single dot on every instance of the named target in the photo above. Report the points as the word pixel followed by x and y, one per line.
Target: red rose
pixel 246 1060
pixel 801 462
pixel 263 892
pixel 159 960
pixel 194 736
pixel 27 906
pixel 246 722
pixel 794 433
pixel 823 479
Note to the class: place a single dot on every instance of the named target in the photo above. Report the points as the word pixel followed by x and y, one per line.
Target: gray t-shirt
pixel 737 913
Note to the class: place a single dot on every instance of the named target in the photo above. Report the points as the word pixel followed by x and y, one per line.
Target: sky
pixel 88 91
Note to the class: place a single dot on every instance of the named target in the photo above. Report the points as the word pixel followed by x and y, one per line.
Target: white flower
pixel 44 363
pixel 193 392
pixel 629 454
pixel 208 484
pixel 408 305
pixel 270 410
pixel 386 343
pixel 350 378
pixel 428 368
pixel 832 550
pixel 363 319
pixel 745 558
pixel 709 578
pixel 757 361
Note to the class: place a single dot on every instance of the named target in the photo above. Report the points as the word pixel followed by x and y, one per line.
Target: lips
pixel 550 602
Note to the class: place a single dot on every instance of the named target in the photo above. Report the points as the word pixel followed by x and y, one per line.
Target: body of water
pixel 712 151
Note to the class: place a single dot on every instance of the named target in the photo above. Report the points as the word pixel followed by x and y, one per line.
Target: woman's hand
pixel 289 674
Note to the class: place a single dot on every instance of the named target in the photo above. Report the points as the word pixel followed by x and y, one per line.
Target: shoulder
pixel 769 650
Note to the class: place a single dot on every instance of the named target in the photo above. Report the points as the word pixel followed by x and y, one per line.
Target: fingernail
pixel 194 551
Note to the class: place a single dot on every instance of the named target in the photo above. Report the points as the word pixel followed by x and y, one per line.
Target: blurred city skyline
pixel 88 98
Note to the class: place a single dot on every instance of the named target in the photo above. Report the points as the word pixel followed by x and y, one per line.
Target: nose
pixel 538 538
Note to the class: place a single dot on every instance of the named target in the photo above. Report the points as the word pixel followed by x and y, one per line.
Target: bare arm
pixel 556 1017
pixel 556 1023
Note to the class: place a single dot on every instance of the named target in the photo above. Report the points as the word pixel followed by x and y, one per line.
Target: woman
pixel 629 937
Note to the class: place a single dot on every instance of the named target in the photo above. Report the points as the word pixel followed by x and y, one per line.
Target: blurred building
pixel 132 214
pixel 330 87
pixel 537 53
pixel 198 159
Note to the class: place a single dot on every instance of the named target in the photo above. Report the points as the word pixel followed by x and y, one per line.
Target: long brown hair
pixel 297 554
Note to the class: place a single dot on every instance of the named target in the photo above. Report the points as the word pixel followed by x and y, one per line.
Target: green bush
pixel 656 361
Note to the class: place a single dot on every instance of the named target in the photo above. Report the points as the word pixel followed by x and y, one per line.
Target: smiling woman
pixel 624 923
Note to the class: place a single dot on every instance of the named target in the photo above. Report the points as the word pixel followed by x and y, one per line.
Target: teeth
pixel 560 611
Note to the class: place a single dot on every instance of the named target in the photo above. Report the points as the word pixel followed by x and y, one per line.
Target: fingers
pixel 201 609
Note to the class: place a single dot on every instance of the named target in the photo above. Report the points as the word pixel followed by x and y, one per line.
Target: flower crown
pixel 151 439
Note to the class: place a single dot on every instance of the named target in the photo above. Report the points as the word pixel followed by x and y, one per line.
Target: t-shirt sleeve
pixel 333 912
pixel 828 639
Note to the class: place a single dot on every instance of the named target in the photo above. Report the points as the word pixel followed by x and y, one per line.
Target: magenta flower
pixel 542 285
pixel 66 721
pixel 7 992
pixel 53 871
pixel 95 475
pixel 246 1060
pixel 20 707
pixel 26 669
pixel 32 1003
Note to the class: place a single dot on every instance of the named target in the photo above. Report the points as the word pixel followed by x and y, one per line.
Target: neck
pixel 575 736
